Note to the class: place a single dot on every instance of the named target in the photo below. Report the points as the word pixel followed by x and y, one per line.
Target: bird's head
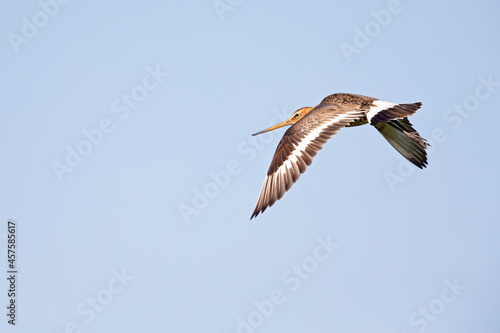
pixel 296 116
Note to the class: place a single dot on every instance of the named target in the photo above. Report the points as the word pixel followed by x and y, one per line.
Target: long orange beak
pixel 284 123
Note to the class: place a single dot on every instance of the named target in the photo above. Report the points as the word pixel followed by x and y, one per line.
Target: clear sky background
pixel 148 230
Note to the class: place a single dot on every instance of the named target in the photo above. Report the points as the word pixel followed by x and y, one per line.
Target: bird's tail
pixel 402 136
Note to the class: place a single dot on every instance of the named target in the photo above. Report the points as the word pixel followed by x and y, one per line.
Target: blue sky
pixel 130 170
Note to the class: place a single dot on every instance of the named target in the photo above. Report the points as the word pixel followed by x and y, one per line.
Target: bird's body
pixel 312 127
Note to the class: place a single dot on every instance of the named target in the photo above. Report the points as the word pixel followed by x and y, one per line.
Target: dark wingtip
pixel 257 211
pixel 421 164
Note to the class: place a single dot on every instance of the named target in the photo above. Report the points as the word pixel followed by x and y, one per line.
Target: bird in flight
pixel 313 127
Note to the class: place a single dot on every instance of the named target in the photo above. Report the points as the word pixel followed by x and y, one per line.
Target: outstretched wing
pixel 299 145
pixel 402 136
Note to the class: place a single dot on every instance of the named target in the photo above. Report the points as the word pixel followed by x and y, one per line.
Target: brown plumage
pixel 313 127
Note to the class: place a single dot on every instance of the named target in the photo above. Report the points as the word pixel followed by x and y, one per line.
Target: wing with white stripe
pixel 299 145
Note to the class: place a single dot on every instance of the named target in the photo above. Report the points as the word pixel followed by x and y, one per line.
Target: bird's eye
pixel 296 115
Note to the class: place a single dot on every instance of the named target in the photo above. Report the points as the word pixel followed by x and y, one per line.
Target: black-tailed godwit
pixel 313 127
